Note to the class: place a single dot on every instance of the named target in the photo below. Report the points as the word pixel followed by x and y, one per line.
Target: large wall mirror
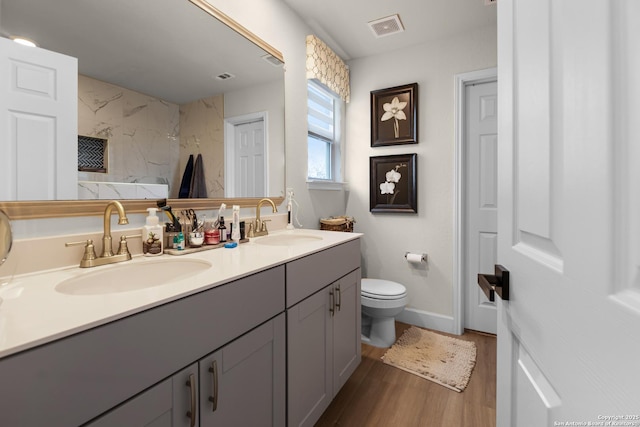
pixel 160 82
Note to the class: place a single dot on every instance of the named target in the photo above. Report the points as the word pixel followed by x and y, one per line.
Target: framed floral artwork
pixel 394 115
pixel 393 183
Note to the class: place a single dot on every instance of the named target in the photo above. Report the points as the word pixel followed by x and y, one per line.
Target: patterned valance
pixel 325 66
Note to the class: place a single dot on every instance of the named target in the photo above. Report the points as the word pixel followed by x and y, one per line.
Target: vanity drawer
pixel 307 275
pixel 72 380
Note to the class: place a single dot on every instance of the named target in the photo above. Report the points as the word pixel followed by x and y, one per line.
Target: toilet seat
pixel 382 289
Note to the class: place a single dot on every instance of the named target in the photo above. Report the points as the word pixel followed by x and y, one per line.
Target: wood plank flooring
pixel 383 396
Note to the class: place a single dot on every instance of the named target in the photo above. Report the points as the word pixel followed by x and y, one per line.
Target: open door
pixel 38 124
pixel 569 212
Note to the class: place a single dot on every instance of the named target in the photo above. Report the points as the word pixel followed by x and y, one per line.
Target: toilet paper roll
pixel 415 258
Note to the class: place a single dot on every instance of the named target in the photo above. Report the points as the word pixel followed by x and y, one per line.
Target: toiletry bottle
pixel 235 224
pixel 152 241
pixel 223 230
pixel 178 241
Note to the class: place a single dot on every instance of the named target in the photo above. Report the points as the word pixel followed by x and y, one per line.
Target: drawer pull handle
pixel 338 297
pixel 332 303
pixel 214 385
pixel 191 383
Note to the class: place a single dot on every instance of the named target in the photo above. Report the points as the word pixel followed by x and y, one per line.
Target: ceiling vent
pixel 386 26
pixel 225 76
pixel 272 60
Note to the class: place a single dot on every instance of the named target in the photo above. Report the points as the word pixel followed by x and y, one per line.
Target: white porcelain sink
pixel 287 239
pixel 131 277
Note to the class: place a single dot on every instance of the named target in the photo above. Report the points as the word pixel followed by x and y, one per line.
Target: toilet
pixel 382 301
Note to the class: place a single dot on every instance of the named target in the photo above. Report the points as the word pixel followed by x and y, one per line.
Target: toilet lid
pixel 382 289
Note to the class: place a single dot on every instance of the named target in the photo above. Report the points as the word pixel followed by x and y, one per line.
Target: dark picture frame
pixel 393 183
pixel 393 125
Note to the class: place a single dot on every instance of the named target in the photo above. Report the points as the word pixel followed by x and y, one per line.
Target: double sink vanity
pixel 264 334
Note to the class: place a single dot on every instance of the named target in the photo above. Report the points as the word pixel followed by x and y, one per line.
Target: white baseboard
pixel 425 319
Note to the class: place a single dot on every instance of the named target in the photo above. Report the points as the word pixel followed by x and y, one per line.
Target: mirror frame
pixel 74 208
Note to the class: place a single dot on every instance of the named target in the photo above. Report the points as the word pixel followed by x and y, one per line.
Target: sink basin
pixel 131 277
pixel 287 239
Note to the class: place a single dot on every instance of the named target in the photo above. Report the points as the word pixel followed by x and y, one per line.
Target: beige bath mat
pixel 438 358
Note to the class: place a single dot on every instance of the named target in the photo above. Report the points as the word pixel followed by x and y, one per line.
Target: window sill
pixel 327 185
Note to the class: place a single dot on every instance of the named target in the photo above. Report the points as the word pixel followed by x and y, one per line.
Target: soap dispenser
pixel 152 241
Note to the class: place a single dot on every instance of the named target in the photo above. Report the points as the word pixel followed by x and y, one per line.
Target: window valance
pixel 324 65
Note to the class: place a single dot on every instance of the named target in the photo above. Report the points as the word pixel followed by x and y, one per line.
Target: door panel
pixel 249 167
pixel 481 201
pixel 536 399
pixel 309 358
pixel 346 329
pixel 566 341
pixel 39 124
pixel 247 379
pixel 152 408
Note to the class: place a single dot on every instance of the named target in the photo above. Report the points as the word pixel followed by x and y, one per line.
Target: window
pixel 324 118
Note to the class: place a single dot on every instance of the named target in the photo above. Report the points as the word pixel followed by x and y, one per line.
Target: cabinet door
pixel 243 383
pixel 164 405
pixel 346 329
pixel 309 358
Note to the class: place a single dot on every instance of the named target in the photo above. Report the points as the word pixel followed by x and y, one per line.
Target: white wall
pixel 275 23
pixel 388 236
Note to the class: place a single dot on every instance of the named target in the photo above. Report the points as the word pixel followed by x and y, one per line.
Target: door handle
pixel 214 385
pixel 191 414
pixel 332 303
pixel 497 283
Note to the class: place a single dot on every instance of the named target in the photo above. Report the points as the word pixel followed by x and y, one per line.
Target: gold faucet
pixel 259 227
pixel 89 258
pixel 107 250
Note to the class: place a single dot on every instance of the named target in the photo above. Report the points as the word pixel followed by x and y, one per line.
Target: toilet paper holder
pixel 408 255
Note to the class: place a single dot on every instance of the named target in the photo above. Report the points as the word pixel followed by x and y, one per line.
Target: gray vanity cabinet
pixel 76 379
pixel 323 347
pixel 241 384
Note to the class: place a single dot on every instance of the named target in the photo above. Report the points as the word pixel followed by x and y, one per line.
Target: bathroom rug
pixel 444 360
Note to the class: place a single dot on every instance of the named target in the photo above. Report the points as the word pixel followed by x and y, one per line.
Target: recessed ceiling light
pixel 24 41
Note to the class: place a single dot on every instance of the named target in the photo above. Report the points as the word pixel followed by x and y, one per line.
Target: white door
pixel 38 124
pixel 481 201
pixel 246 159
pixel 569 212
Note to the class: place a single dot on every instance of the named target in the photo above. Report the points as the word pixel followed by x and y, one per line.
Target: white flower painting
pixel 389 186
pixel 393 183
pixel 394 110
pixel 394 115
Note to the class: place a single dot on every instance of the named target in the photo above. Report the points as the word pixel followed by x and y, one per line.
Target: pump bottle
pixel 152 241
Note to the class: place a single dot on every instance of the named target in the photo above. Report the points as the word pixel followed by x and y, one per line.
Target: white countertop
pixel 32 312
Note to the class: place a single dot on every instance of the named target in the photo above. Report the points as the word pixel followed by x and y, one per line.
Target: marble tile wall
pixel 202 132
pixel 88 190
pixel 143 134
